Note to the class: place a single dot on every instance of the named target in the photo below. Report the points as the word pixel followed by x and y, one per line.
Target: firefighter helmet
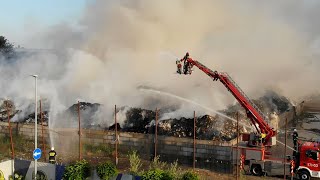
pixel 52 148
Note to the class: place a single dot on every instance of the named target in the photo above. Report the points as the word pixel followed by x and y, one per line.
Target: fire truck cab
pixel 307 160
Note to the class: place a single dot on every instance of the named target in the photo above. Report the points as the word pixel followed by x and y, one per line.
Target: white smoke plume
pixel 117 46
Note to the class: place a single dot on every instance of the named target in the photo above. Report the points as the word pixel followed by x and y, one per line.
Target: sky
pixel 16 15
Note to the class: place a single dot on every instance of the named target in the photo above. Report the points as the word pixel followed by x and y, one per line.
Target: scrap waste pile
pixel 142 120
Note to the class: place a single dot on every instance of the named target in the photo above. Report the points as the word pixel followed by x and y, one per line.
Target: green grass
pixel 103 149
pixel 20 144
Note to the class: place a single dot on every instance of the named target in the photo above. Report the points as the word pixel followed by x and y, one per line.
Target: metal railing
pixel 204 67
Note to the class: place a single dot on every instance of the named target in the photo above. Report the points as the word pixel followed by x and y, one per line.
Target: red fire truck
pixel 307 160
pixel 256 156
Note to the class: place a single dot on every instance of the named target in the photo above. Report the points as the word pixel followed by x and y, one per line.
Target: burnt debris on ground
pixel 143 121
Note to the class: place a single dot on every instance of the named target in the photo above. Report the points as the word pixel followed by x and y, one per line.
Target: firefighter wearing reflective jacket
pixel 292 167
pixel 263 136
pixel 52 156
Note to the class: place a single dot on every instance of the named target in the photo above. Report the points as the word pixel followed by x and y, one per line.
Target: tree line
pixel 6 48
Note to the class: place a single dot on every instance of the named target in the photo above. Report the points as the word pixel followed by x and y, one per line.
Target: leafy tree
pixel 6 48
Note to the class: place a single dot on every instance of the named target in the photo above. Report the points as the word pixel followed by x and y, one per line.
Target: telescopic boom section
pixel 253 112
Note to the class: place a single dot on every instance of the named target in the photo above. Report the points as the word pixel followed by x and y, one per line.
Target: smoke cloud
pixel 117 46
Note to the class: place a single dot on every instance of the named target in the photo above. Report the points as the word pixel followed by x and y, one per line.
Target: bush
pixel 174 170
pixel 16 176
pixel 162 171
pixel 154 174
pixel 106 170
pixel 77 171
pixel 135 163
pixel 157 164
pixel 189 175
pixel 167 175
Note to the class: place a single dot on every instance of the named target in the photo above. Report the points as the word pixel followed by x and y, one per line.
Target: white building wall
pixel 7 168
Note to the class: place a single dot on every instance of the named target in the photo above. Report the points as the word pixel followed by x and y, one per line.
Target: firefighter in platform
pixel 186 63
pixel 186 56
pixel 178 62
pixel 52 156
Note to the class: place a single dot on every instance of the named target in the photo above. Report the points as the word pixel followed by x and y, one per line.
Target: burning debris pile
pixel 143 121
pixel 26 115
pixel 87 112
pixel 207 128
pixel 7 107
pixel 138 120
pixel 274 102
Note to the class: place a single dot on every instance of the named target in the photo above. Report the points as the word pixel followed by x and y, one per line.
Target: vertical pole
pixel 35 126
pixel 79 120
pixel 194 140
pixel 156 135
pixel 237 167
pixel 116 132
pixel 10 130
pixel 42 134
pixel 285 150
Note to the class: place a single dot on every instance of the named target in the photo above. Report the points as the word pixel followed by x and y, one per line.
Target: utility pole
pixel 285 150
pixel 237 169
pixel 194 140
pixel 43 142
pixel 10 130
pixel 156 135
pixel 80 146
pixel 116 132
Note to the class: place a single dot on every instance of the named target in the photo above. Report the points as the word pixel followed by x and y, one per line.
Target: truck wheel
pixel 256 170
pixel 304 175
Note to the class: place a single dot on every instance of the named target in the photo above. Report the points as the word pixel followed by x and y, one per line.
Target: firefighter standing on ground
pixel 52 156
pixel 295 139
pixel 263 136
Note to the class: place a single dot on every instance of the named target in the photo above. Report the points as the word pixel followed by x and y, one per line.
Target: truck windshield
pixel 312 154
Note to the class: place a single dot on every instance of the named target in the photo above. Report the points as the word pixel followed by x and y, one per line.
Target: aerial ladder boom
pixel 253 112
